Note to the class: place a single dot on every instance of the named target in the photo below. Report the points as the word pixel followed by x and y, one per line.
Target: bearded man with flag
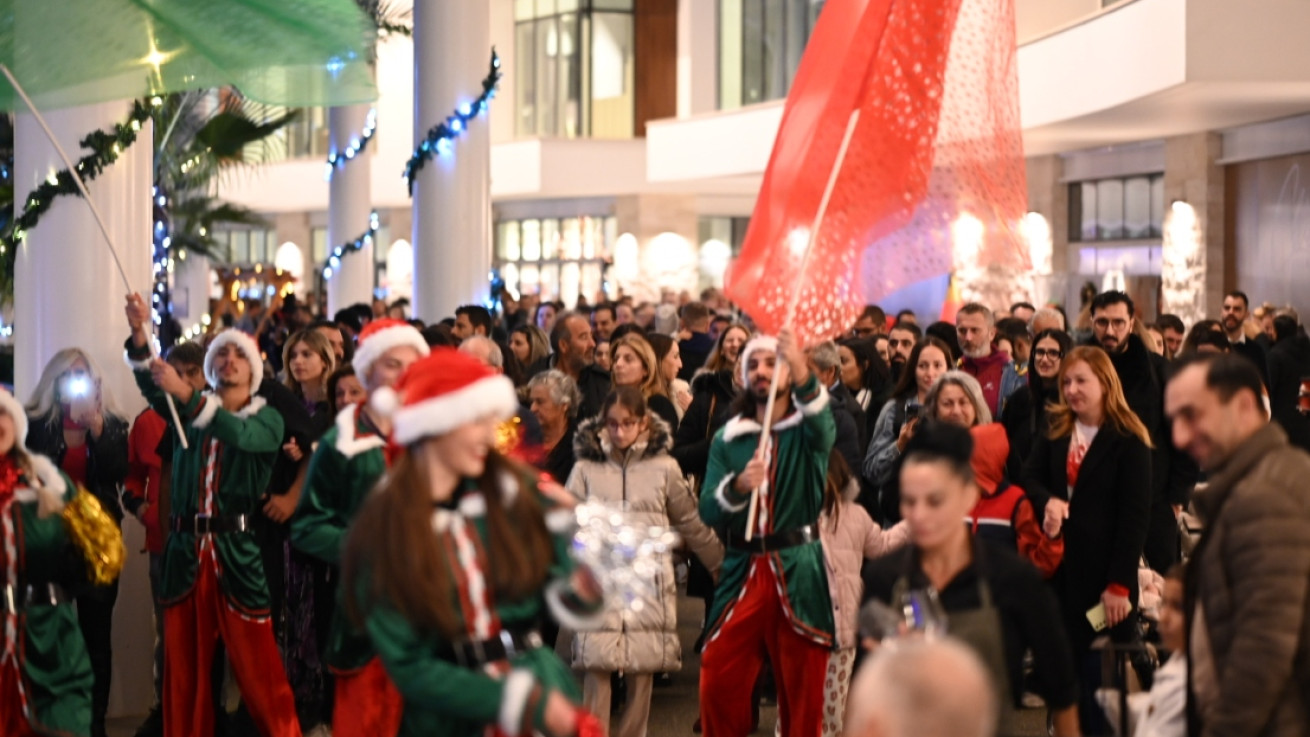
pixel 772 593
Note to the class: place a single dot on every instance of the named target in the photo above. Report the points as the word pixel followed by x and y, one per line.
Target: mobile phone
pixel 912 412
pixel 76 386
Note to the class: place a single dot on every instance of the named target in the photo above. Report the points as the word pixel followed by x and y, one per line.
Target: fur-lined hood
pixel 591 442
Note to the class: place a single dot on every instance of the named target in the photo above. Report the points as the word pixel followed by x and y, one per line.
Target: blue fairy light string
pixel 439 140
pixel 339 159
pixel 333 264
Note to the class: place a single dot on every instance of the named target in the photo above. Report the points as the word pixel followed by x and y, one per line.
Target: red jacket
pixel 141 488
pixel 1003 513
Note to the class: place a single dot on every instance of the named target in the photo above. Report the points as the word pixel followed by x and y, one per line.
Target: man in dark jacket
pixel 574 349
pixel 695 348
pixel 1289 363
pixel 1142 373
pixel 825 362
pixel 1236 310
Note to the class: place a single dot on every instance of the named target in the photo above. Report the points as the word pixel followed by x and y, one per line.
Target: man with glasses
pixel 1142 373
pixel 873 321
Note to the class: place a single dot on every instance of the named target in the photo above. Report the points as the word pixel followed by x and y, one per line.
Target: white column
pixel 452 193
pixel 349 204
pixel 67 292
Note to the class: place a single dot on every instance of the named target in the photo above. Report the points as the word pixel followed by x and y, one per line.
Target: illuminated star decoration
pixel 440 137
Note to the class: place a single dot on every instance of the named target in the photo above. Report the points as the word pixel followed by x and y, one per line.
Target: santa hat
pixel 441 392
pixel 380 336
pixel 10 406
pixel 246 345
pixel 766 343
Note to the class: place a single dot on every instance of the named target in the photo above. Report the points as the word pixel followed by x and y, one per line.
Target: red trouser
pixel 191 631
pixel 13 723
pixel 367 703
pixel 732 661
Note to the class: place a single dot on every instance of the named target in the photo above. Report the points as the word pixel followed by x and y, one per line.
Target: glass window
pixel 1110 209
pixel 575 64
pixel 549 239
pixel 524 78
pixel 1157 206
pixel 508 241
pixel 531 240
pixel 1137 207
pixel 319 249
pixel 760 47
pixel 1128 208
pixel 240 246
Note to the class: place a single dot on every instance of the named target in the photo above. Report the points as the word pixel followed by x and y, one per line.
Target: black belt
pixel 204 524
pixel 16 598
pixel 760 545
pixel 477 653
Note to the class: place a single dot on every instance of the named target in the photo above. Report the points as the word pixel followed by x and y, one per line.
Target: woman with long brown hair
pixel 1089 479
pixel 634 364
pixel 450 565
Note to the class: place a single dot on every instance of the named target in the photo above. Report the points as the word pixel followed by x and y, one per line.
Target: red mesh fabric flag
pixel 936 145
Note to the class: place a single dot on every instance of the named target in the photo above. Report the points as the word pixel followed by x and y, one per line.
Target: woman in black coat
pixel 1090 480
pixel 1024 416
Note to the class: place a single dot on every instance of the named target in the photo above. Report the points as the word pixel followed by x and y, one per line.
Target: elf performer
pixel 345 467
pixel 53 540
pixel 772 594
pixel 450 565
pixel 213 584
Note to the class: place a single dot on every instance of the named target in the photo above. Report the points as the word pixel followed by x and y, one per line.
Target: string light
pixel 105 147
pixel 334 259
pixel 439 138
pixel 337 160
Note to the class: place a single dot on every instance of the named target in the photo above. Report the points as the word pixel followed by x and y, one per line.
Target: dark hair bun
pixel 940 441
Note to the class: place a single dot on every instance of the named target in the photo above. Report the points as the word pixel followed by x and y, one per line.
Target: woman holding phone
pixel 929 359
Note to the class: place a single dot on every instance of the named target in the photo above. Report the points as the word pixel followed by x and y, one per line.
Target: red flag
pixel 924 150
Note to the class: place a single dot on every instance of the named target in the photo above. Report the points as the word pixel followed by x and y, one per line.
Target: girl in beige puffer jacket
pixel 623 461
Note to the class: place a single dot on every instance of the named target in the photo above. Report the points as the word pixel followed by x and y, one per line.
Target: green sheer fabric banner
pixel 296 53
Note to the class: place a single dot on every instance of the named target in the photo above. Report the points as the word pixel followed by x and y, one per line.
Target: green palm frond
pixel 195 218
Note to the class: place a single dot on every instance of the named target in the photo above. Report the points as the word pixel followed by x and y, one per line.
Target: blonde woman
pixel 633 363
pixel 1090 481
pixel 75 423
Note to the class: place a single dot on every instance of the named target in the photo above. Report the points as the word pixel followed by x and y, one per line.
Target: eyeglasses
pixel 1054 354
pixel 622 425
pixel 1104 322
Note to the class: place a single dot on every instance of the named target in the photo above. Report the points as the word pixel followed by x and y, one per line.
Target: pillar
pixel 1192 175
pixel 349 204
pixel 667 253
pixel 67 293
pixel 1048 196
pixel 452 193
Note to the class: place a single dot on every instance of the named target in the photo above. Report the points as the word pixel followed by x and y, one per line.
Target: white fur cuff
pixel 135 365
pixel 514 703
pixel 815 406
pixel 574 620
pixel 721 495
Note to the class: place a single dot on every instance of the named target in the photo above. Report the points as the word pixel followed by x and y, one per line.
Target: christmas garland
pixel 105 148
pixel 439 137
pixel 357 145
pixel 334 261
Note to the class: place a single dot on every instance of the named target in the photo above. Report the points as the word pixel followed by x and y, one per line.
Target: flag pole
pixel 100 221
pixel 793 302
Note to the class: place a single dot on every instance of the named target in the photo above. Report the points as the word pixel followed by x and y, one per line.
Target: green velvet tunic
pixel 343 470
pixel 443 699
pixel 801 442
pixel 55 669
pixel 248 443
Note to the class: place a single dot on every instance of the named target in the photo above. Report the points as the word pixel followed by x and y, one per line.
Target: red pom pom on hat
pixel 444 390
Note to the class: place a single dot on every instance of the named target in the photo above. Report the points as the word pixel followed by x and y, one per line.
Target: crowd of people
pixel 366 521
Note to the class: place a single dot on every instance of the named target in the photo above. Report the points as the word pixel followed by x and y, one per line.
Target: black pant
pixel 95 615
pixel 1161 548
